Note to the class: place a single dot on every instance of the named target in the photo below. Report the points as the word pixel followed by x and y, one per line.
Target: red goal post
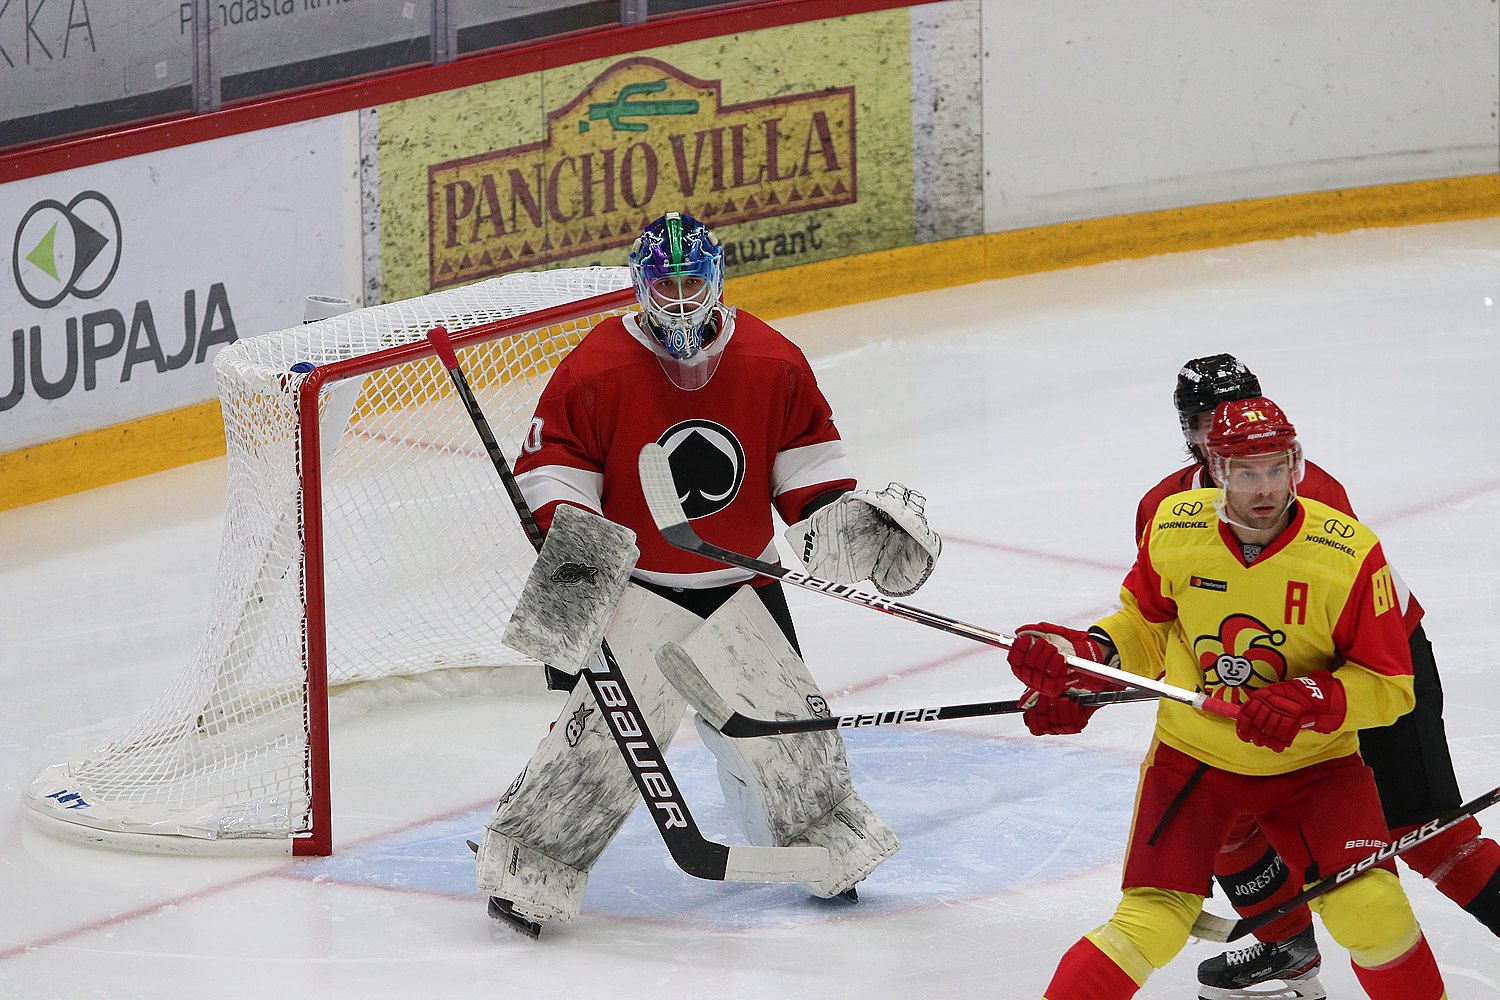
pixel 369 556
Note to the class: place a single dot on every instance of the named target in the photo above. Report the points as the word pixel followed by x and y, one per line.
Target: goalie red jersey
pixel 759 434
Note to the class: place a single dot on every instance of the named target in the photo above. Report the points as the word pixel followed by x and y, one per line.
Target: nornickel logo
pixel 1336 527
pixel 61 250
pixel 1187 508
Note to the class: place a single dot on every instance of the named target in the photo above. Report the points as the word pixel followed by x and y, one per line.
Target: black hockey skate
pixel 1252 973
pixel 505 912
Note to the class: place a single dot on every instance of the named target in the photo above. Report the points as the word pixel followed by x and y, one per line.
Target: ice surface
pixel 1032 412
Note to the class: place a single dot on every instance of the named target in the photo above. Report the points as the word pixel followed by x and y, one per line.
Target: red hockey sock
pixel 1255 880
pixel 1459 861
pixel 1413 976
pixel 1086 973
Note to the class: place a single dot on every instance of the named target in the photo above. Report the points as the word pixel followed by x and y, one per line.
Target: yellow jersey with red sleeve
pixel 1320 597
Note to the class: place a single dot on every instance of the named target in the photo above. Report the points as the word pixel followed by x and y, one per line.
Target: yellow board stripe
pixel 194 433
pixel 829 284
pixel 111 454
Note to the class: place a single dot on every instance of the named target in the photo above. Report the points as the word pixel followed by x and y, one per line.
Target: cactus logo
pixel 63 250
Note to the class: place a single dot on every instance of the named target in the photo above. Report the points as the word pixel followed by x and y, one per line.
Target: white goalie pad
pixel 783 790
pixel 538 887
pixel 864 535
pixel 856 839
pixel 575 792
pixel 570 595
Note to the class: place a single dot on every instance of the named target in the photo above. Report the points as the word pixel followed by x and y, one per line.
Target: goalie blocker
pixel 580 574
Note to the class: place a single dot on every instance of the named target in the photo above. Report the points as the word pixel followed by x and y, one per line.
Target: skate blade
pixel 504 915
pixel 1303 987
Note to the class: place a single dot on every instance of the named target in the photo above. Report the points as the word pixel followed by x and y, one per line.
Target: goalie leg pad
pixel 538 887
pixel 578 578
pixel 782 789
pixel 857 840
pixel 575 792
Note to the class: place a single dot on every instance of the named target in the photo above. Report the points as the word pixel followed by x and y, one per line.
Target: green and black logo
pixel 63 250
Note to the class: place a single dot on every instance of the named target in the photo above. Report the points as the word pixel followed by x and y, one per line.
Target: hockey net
pixel 370 555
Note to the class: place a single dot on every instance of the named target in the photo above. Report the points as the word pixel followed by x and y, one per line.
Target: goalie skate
pixel 1253 973
pixel 505 911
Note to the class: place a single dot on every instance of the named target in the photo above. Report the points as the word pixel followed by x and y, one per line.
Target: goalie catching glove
pixel 863 535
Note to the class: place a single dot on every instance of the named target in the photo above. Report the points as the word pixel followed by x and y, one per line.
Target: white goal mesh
pixel 366 529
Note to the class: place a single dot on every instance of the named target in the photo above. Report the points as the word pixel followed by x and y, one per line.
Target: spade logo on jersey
pixel 708 465
pixel 1241 658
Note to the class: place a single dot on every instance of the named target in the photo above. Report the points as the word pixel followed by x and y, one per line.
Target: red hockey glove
pixel 1273 716
pixel 1036 658
pixel 1054 715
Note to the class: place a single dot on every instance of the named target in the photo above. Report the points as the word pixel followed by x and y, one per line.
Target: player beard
pixel 1260 512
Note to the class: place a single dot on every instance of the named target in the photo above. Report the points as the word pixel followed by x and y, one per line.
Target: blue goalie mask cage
pixel 677 267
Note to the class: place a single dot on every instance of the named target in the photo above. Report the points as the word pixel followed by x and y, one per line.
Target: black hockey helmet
pixel 1204 383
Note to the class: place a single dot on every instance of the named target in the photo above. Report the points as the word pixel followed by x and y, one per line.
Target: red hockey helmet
pixel 1243 428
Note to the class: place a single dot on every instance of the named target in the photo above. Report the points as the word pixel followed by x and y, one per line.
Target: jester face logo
pixel 1242 658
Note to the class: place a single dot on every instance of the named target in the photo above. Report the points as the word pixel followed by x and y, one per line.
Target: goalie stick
pixel 666 509
pixel 694 853
pixel 1209 927
pixel 684 673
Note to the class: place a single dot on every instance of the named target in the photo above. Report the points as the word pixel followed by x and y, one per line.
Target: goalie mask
pixel 677 268
pixel 1204 383
pixel 1252 449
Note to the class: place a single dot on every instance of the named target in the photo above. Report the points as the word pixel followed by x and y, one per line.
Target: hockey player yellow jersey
pixel 1319 597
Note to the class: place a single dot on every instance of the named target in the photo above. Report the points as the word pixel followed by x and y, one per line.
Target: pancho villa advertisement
pixel 792 153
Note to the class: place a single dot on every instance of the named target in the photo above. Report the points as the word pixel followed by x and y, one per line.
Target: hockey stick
pixel 1209 927
pixel 693 853
pixel 666 509
pixel 685 675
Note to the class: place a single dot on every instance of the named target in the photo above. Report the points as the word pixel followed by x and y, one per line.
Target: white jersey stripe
pixel 810 465
pixel 560 482
pixel 1403 592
